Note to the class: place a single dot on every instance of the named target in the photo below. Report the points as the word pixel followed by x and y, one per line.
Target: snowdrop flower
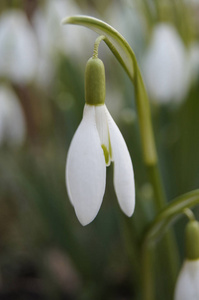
pixel 12 122
pixel 165 66
pixel 18 59
pixel 187 287
pixel 46 23
pixel 96 143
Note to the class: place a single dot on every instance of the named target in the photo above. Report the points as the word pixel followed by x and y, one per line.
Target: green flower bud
pixel 95 82
pixel 192 240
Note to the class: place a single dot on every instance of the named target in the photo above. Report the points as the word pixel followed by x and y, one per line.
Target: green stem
pixel 145 122
pixel 169 214
pixel 189 214
pixel 151 162
pixel 147 274
pixel 96 45
pixel 155 179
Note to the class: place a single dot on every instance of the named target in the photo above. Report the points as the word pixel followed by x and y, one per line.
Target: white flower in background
pixel 128 21
pixel 187 287
pixel 12 122
pixel 54 39
pixel 52 36
pixel 192 2
pixel 95 144
pixel 19 57
pixel 165 67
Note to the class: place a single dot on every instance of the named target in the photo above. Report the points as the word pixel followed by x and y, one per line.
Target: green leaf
pixel 170 214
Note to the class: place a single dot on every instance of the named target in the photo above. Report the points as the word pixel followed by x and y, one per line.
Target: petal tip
pixel 128 211
pixel 83 218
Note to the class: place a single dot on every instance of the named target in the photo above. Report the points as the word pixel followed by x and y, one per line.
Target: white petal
pixel 187 287
pixel 19 53
pixel 102 127
pixel 86 169
pixel 123 169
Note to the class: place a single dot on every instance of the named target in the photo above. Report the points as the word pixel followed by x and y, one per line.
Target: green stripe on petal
pixel 106 154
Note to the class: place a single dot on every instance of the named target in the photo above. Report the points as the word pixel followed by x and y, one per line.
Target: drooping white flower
pixel 187 287
pixel 165 66
pixel 95 144
pixel 12 121
pixel 18 59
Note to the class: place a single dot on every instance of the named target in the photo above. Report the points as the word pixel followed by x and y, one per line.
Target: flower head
pixel 95 144
pixel 187 287
pixel 165 66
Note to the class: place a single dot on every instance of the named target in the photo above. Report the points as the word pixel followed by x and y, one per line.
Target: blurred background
pixel 44 252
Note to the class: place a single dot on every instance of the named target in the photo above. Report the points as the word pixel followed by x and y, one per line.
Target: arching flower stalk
pixel 96 143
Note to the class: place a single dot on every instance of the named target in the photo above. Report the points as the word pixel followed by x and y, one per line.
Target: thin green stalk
pixel 158 189
pixel 151 162
pixel 96 45
pixel 168 242
pixel 147 274
pixel 175 208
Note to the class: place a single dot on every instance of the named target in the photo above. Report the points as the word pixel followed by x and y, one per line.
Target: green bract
pixel 95 82
pixel 192 240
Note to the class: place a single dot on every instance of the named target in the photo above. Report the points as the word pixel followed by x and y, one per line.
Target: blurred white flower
pixel 96 143
pixel 166 67
pixel 127 20
pixel 52 35
pixel 187 287
pixel 12 121
pixel 19 57
pixel 192 2
pixel 54 38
